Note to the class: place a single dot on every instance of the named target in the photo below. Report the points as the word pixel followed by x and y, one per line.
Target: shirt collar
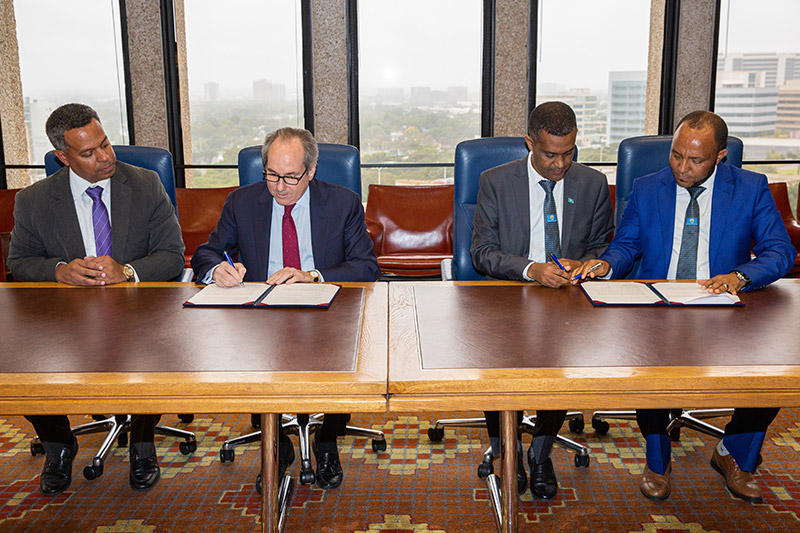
pixel 78 185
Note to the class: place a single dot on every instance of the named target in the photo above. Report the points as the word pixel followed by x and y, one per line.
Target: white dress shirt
pixel 536 197
pixel 83 207
pixel 682 198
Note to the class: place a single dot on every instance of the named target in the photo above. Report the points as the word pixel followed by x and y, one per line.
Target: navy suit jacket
pixel 341 247
pixel 743 213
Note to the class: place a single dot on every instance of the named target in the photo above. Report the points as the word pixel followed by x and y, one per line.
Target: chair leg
pixel 189 444
pixel 115 426
pixel 581 451
pixel 436 431
pixel 601 426
pixel 693 422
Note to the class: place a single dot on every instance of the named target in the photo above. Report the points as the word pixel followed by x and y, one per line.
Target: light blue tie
pixel 100 221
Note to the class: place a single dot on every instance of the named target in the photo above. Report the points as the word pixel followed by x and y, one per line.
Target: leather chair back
pixel 200 210
pixel 472 158
pixel 640 156
pixel 780 193
pixel 411 227
pixel 338 163
pixel 6 225
pixel 151 158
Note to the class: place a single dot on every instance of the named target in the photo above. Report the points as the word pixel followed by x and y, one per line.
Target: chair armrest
pixel 375 232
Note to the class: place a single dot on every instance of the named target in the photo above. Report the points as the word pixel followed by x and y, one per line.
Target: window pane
pixel 60 62
pixel 758 81
pixel 601 74
pixel 244 60
pixel 420 83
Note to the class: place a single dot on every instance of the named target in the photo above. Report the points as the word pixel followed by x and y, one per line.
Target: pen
pixel 555 259
pixel 594 267
pixel 230 262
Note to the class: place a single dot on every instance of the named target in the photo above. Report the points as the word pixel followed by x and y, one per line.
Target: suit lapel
pixel 120 213
pixel 666 212
pixel 319 225
pixel 262 227
pixel 65 217
pixel 720 210
pixel 571 191
pixel 521 202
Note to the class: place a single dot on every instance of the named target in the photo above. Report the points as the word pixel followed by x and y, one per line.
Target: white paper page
pixel 213 294
pixel 620 292
pixel 301 294
pixel 692 293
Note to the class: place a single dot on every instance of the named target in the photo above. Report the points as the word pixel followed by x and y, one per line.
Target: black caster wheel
pixel 307 478
pixel 91 472
pixel 675 435
pixel 226 456
pixel 576 425
pixel 600 426
pixel 186 419
pixel 255 421
pixel 122 440
pixel 581 460
pixel 484 469
pixel 435 434
pixel 378 446
pixel 37 449
pixel 188 447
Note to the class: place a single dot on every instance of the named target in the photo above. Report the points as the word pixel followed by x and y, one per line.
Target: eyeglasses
pixel 273 177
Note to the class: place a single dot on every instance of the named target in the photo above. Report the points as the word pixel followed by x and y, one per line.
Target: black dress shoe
pixel 522 477
pixel 145 471
pixel 57 475
pixel 543 478
pixel 285 458
pixel 329 469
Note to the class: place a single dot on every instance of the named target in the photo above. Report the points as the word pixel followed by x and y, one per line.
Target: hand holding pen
pixel 596 267
pixel 229 277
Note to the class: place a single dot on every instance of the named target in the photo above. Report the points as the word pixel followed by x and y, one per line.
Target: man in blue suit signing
pixel 292 228
pixel 697 219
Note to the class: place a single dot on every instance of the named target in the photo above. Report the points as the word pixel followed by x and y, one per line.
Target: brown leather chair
pixel 198 211
pixel 411 228
pixel 780 193
pixel 6 225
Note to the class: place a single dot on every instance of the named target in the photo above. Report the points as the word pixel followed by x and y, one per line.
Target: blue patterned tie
pixel 552 242
pixel 687 258
pixel 100 221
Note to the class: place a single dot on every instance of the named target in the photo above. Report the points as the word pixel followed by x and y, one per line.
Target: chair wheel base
pixel 484 469
pixel 600 426
pixel 188 447
pixel 581 460
pixel 186 419
pixel 227 455
pixel 576 425
pixel 435 434
pixel 92 471
pixel 37 449
pixel 307 477
pixel 378 445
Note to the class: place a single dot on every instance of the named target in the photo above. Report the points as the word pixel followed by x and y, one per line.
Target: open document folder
pixel 263 295
pixel 662 293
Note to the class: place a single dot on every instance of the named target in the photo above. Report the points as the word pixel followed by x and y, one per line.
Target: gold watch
pixel 314 276
pixel 129 273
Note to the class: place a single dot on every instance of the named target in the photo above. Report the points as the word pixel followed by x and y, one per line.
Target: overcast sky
pixel 68 48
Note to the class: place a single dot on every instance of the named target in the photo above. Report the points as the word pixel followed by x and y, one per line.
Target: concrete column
pixel 329 30
pixel 511 67
pixel 12 113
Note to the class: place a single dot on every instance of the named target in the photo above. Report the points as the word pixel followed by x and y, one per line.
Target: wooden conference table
pixel 132 348
pixel 510 346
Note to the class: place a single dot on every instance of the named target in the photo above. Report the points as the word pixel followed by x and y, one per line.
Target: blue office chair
pixel 118 426
pixel 472 158
pixel 637 157
pixel 156 159
pixel 339 164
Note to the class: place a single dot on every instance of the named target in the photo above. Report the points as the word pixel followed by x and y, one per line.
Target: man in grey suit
pixel 529 211
pixel 94 222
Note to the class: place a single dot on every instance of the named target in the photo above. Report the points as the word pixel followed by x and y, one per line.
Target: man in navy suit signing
pixel 697 219
pixel 292 228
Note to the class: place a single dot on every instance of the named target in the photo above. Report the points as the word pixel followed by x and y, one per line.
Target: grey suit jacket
pixel 501 227
pixel 144 229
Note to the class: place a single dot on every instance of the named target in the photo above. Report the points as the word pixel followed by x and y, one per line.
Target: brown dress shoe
pixel 740 483
pixel 655 486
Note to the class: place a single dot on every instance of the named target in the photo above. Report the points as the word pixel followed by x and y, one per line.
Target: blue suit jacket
pixel 341 247
pixel 743 213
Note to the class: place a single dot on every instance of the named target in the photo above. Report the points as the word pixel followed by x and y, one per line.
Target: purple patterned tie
pixel 102 226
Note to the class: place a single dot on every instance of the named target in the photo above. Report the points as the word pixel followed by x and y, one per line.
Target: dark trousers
pixel 56 428
pixel 744 420
pixel 547 422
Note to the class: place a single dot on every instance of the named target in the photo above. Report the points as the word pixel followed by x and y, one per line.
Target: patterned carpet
pixel 416 485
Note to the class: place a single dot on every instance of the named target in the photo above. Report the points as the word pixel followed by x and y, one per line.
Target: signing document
pixel 664 293
pixel 263 295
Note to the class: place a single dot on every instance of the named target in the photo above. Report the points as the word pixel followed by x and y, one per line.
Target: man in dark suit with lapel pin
pixel 94 222
pixel 529 210
pixel 292 228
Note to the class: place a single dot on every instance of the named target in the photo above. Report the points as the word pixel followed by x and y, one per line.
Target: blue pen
pixel 555 259
pixel 230 262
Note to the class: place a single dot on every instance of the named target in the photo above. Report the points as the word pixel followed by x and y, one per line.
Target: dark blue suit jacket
pixel 342 249
pixel 743 213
